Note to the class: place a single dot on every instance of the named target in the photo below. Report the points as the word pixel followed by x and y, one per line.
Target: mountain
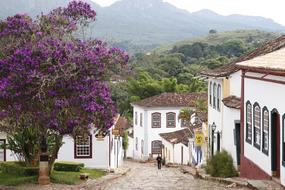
pixel 146 23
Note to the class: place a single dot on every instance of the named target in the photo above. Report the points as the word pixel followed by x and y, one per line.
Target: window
pixel 136 118
pixel 137 141
pixel 265 131
pixel 257 125
pixel 142 146
pixel 184 123
pixel 283 140
pixel 210 94
pixel 156 147
pixel 156 120
pixel 141 118
pixel 2 150
pixel 248 122
pixel 219 97
pixel 170 119
pixel 83 146
pixel 214 95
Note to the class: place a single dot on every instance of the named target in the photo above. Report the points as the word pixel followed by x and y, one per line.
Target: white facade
pixel 269 95
pixel 176 153
pixel 146 134
pixel 225 118
pixel 107 153
pixel 6 155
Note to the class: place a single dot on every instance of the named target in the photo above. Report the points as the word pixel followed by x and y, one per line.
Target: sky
pixel 273 9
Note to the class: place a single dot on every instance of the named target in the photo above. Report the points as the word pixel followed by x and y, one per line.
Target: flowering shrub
pixel 59 81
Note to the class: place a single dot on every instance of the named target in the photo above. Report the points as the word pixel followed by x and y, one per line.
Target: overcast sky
pixel 266 8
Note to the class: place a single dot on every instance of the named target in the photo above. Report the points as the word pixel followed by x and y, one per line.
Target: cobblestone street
pixel 148 177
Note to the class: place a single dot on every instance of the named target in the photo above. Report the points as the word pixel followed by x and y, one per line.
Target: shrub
pixel 68 166
pixel 221 165
pixel 18 168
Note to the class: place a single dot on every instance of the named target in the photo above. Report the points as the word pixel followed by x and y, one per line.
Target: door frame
pixel 275 143
pixel 237 141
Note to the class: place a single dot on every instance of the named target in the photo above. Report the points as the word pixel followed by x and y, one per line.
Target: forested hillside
pixel 176 67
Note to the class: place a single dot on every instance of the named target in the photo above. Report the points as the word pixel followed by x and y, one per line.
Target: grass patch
pixel 72 178
pixel 13 180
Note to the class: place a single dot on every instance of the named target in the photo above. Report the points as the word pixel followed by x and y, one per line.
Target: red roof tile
pixel 232 102
pixel 181 136
pixel 227 69
pixel 172 100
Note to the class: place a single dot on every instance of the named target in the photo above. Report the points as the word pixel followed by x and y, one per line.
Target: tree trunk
pixel 53 156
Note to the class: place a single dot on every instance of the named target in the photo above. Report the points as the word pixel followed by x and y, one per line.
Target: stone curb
pixel 226 181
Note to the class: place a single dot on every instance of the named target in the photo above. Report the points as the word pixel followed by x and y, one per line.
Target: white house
pixel 156 115
pixel 224 110
pixel 256 83
pixel 95 152
pixel 176 146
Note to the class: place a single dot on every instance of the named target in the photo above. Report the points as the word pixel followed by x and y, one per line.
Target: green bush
pixel 221 165
pixel 18 168
pixel 68 166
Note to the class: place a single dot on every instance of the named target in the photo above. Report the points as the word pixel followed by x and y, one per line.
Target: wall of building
pixel 130 150
pixel 228 133
pixel 153 133
pixel 139 132
pixel 270 95
pixel 168 151
pixel 177 154
pixel 10 156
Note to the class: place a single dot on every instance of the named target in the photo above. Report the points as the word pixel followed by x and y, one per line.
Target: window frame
pixel 246 123
pixel 137 144
pixel 256 145
pixel 136 118
pixel 167 116
pixel 214 95
pixel 90 148
pixel 141 119
pixel 142 146
pixel 4 149
pixel 219 97
pixel 152 146
pixel 264 109
pixel 152 126
pixel 210 93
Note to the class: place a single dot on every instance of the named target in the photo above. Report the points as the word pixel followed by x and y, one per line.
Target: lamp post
pixel 213 126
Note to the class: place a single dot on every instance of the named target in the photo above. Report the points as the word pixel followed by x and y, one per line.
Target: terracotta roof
pixel 232 67
pixel 181 136
pixel 172 100
pixel 232 102
pixel 131 135
pixel 122 124
pixel 274 61
pixel 203 116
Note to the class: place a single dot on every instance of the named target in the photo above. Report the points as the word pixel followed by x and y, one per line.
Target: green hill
pixel 247 36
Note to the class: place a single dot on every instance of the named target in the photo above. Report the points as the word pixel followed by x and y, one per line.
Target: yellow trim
pixel 226 88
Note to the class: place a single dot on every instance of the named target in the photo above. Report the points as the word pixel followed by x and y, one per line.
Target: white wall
pixel 230 116
pixel 270 95
pixel 149 134
pixel 130 150
pixel 10 156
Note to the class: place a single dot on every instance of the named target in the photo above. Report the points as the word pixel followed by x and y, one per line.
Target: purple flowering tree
pixel 52 81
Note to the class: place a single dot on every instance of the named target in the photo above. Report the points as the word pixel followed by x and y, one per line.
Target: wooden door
pixel 275 143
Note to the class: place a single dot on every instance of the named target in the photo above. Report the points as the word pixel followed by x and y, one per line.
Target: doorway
pixel 275 143
pixel 237 138
pixel 181 154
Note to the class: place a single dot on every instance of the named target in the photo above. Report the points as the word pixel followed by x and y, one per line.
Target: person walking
pixel 159 161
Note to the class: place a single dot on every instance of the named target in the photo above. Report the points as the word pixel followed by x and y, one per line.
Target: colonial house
pixel 252 90
pixel 94 150
pixel 263 113
pixel 97 150
pixel 156 115
pixel 224 110
pixel 175 147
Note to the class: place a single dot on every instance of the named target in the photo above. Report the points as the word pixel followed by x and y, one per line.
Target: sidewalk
pixel 90 184
pixel 233 182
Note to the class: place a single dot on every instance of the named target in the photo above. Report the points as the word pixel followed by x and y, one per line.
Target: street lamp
pixel 213 126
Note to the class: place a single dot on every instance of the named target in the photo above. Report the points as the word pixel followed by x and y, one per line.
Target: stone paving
pixel 148 177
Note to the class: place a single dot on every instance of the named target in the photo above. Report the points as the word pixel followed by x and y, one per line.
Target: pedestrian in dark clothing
pixel 159 161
